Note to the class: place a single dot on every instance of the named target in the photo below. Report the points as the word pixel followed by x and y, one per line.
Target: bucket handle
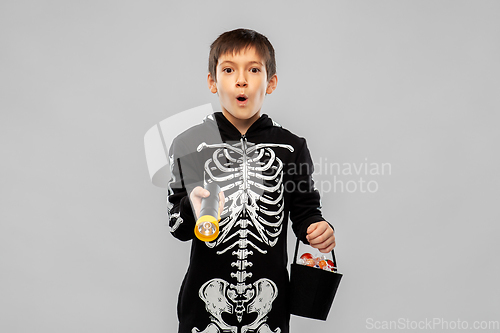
pixel 297 250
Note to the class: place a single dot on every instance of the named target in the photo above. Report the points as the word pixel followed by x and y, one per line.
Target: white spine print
pixel 252 177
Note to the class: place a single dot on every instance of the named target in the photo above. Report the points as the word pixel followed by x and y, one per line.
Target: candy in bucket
pixel 320 262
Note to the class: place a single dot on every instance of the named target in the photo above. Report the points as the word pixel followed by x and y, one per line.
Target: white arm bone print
pixel 251 176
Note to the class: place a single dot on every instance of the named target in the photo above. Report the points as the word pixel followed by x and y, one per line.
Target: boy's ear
pixel 211 84
pixel 271 85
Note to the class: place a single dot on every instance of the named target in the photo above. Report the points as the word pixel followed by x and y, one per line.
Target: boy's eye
pixel 227 70
pixel 255 70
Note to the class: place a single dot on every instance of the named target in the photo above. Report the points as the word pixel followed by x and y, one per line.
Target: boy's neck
pixel 241 125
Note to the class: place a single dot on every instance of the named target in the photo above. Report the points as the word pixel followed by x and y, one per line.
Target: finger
pixel 312 227
pixel 322 242
pixel 200 192
pixel 194 193
pixel 311 231
pixel 319 242
pixel 320 228
pixel 321 234
pixel 222 200
pixel 326 247
pixel 329 248
pixel 318 231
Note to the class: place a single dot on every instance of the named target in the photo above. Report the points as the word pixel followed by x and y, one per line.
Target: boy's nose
pixel 241 82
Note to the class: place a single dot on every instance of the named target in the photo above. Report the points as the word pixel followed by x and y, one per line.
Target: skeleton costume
pixel 238 282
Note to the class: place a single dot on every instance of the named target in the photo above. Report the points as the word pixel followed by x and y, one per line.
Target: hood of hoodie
pixel 229 132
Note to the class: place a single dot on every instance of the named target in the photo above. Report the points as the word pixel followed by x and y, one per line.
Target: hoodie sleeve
pixel 184 177
pixel 305 198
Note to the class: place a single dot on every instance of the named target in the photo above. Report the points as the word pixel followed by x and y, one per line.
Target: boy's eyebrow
pixel 248 63
pixel 256 62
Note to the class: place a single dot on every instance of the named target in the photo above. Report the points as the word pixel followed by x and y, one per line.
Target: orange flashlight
pixel 207 225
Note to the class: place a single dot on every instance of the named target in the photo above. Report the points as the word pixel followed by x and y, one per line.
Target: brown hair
pixel 239 39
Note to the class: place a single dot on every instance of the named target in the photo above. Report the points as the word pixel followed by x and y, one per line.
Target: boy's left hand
pixel 321 236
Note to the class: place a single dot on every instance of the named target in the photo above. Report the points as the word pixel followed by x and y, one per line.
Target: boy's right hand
pixel 198 193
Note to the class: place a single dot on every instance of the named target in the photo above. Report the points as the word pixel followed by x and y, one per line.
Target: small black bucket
pixel 312 289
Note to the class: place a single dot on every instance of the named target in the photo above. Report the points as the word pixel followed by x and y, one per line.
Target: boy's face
pixel 241 85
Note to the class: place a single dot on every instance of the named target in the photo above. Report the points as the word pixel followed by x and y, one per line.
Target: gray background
pixel 84 245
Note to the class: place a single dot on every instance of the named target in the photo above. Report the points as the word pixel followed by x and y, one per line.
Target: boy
pixel 238 282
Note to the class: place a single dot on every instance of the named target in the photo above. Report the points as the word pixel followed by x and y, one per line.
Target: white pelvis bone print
pixel 251 176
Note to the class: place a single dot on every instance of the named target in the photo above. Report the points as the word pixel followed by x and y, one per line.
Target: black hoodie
pixel 239 281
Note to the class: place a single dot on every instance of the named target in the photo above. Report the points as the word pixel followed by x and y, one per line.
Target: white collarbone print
pixel 251 177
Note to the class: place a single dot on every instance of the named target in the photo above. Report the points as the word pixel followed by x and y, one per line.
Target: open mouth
pixel 242 99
